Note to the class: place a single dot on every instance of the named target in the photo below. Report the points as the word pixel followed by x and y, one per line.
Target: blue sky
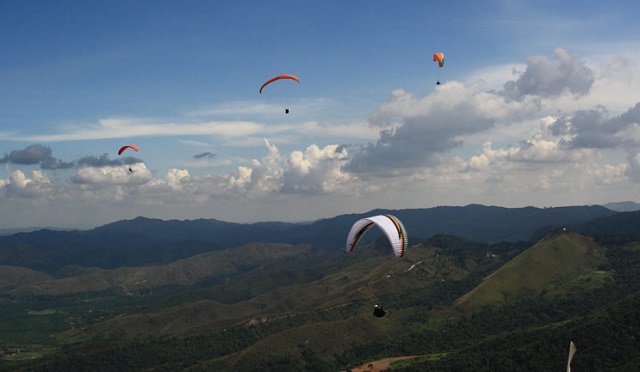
pixel 537 106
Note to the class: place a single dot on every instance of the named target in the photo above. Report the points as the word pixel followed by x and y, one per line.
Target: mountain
pixel 456 303
pixel 623 224
pixel 210 266
pixel 558 263
pixel 625 206
pixel 29 229
pixel 143 241
pixel 488 224
pixel 313 312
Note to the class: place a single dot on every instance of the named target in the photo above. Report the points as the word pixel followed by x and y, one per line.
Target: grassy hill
pixel 558 263
pixel 213 265
pixel 12 277
pixel 357 281
pixel 308 295
pixel 300 307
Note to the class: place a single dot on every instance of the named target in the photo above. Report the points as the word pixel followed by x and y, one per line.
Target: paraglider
pixel 439 57
pixel 393 229
pixel 378 311
pixel 390 225
pixel 280 77
pixel 133 147
pixel 572 352
pixel 123 148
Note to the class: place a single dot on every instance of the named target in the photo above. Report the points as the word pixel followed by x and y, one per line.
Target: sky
pixel 538 105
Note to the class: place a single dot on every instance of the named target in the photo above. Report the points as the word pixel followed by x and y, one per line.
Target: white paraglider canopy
pixel 390 225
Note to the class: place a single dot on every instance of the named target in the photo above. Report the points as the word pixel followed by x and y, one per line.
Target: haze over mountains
pixel 475 283
pixel 143 241
pixel 625 206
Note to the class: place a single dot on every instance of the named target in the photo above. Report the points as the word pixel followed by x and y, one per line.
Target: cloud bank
pixel 542 139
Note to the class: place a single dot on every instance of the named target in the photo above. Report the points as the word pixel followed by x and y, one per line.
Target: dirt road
pixel 379 365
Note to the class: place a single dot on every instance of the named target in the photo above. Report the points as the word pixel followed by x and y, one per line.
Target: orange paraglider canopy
pixel 439 57
pixel 279 77
pixel 133 147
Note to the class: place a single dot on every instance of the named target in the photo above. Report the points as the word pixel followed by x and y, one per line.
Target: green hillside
pixel 361 282
pixel 606 340
pixel 12 277
pixel 218 264
pixel 558 263
pixel 291 308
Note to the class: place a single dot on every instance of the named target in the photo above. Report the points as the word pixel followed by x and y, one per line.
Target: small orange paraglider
pixel 280 77
pixel 439 57
pixel 133 147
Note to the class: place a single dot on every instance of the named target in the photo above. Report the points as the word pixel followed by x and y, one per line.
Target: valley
pixel 454 303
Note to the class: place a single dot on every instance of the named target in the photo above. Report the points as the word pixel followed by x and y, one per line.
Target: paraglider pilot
pixel 378 311
pixel 286 111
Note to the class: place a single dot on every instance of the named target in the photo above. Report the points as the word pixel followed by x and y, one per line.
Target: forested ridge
pixel 309 308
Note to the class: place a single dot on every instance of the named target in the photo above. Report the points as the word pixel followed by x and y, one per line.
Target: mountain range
pixel 480 288
pixel 143 241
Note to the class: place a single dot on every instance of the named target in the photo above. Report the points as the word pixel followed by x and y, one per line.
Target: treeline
pixel 534 334
pixel 113 353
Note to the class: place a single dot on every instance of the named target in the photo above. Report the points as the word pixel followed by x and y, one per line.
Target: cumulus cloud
pixel 418 132
pixel 317 170
pixel 176 177
pixel 544 77
pixel 262 176
pixel 539 140
pixel 313 171
pixel 420 129
pixel 35 154
pixel 22 186
pixel 594 128
pixel 113 175
pixel 633 170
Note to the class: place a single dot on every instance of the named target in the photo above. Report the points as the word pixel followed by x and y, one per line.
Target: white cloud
pixel 128 128
pixel 493 78
pixel 282 129
pixel 549 142
pixel 427 127
pixel 544 77
pixel 21 186
pixel 318 170
pixel 633 170
pixel 193 143
pixel 113 175
pixel 348 131
pixel 596 129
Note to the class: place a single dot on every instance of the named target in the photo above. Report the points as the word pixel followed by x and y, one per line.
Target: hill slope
pixel 12 277
pixel 556 263
pixel 210 266
pixel 312 310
